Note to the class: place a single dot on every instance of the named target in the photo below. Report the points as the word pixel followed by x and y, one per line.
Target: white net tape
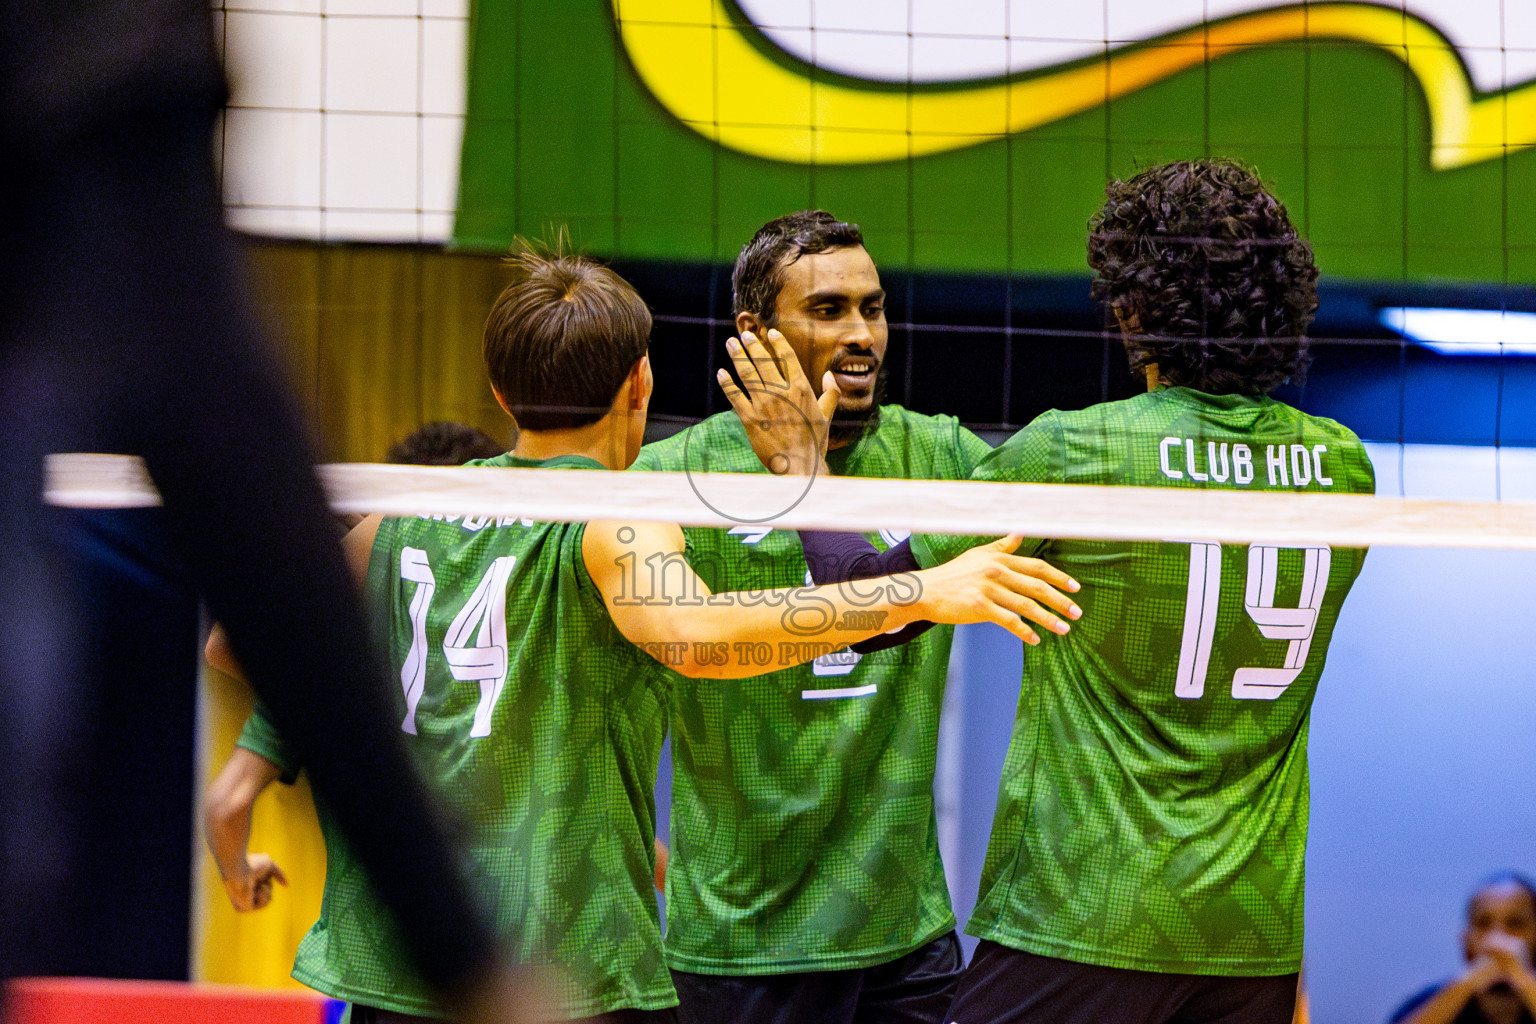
pixel 834 503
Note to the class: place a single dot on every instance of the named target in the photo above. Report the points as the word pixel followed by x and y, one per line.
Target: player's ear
pixel 640 383
pixel 749 322
pixel 502 402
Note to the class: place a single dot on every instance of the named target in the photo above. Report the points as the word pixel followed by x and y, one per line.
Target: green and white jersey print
pixel 355 951
pixel 541 727
pixel 1153 808
pixel 803 829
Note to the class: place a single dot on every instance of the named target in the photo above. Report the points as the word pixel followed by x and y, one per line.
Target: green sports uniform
pixel 355 951
pixel 542 728
pixel 803 828
pixel 1153 809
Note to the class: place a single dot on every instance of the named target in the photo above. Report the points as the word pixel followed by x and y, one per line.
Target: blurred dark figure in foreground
pixel 124 327
pixel 1498 985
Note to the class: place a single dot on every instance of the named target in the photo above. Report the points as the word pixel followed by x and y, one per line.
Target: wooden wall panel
pixel 457 292
pixel 287 292
pixel 370 349
pixel 379 339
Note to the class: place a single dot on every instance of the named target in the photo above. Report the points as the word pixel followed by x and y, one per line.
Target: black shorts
pixel 374 1015
pixel 667 1016
pixel 1009 986
pixel 913 989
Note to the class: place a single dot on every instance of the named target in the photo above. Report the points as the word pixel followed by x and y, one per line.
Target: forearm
pixel 1524 984
pixel 835 557
pixel 227 811
pixel 227 829
pixel 735 634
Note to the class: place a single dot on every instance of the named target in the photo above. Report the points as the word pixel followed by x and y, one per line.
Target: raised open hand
pixel 785 420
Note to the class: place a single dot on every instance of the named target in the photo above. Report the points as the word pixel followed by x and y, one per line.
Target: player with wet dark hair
pixel 758 275
pixel 776 257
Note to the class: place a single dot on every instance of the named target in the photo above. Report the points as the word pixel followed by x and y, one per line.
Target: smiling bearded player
pixel 805 881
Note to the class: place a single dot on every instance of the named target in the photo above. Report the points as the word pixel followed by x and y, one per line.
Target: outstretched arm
pixel 660 605
pixel 227 807
pixel 786 423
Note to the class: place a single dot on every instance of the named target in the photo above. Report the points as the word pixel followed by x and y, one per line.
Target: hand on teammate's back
pixel 990 583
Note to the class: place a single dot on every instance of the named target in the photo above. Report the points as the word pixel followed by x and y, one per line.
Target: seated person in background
pixel 1498 985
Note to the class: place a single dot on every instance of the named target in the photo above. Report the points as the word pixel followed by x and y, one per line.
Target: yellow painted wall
pixel 379 339
pixel 255 948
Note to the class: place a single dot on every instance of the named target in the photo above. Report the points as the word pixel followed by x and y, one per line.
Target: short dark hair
pixel 561 337
pixel 758 275
pixel 1207 271
pixel 1514 878
pixel 443 443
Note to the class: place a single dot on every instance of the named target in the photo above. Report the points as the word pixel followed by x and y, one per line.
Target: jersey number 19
pixel 1296 625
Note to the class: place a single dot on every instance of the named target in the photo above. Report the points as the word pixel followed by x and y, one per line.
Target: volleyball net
pixel 731 500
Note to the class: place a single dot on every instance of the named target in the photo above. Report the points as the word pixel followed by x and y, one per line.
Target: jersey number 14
pixel 475 646
pixel 1296 625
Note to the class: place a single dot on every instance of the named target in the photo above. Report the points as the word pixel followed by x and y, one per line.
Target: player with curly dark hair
pixel 1146 861
pixel 1207 277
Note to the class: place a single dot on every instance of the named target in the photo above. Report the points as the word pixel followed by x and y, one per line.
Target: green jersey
pixel 803 828
pixel 1153 808
pixel 355 951
pixel 542 728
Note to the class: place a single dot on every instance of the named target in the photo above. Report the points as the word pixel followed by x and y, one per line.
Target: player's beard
pixel 848 427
